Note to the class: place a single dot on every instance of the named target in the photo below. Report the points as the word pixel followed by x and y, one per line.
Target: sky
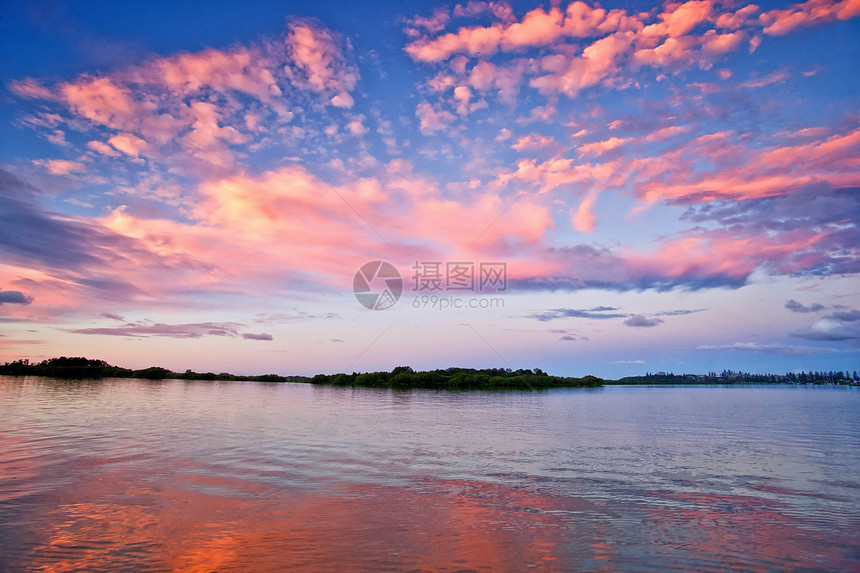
pixel 587 188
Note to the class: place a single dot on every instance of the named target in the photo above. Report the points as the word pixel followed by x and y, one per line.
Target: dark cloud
pixel 818 208
pixel 145 330
pixel 252 336
pixel 638 320
pixel 795 306
pixel 33 237
pixel 14 297
pixel 599 312
pixel 679 312
pixel 839 326
pixel 568 337
pixel 691 280
pixel 821 209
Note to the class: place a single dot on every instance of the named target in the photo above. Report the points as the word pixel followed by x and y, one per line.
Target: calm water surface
pixel 206 476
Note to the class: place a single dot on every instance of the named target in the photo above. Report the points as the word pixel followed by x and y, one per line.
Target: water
pixel 130 475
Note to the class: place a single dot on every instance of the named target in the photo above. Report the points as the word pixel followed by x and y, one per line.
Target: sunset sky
pixel 196 184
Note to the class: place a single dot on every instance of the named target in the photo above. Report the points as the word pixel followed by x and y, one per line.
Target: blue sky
pixel 669 187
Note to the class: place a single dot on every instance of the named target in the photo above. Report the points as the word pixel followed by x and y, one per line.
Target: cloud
pixel 795 306
pixel 785 349
pixel 252 336
pixel 818 221
pixel 112 316
pixel 779 22
pixel 319 62
pixel 432 24
pixel 35 238
pixel 61 166
pixel 432 120
pixel 630 362
pixel 147 329
pixel 14 297
pixel 190 110
pixel 839 326
pixel 128 144
pixel 597 312
pixel 615 44
pixel 679 312
pixel 640 321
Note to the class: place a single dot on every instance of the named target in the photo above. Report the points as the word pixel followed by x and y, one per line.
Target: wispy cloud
pixel 640 321
pixel 260 336
pixel 597 312
pixel 795 306
pixel 786 349
pixel 143 330
pixel 843 325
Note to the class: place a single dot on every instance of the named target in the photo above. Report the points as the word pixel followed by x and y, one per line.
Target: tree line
pixel 457 378
pixel 88 368
pixel 739 377
pixel 400 377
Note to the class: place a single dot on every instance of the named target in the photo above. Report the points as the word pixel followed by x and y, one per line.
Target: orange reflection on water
pixel 740 532
pixel 448 525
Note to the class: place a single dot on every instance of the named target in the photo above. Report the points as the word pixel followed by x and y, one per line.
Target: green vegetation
pixel 405 377
pixel 86 368
pixel 457 379
pixel 732 377
pixel 400 377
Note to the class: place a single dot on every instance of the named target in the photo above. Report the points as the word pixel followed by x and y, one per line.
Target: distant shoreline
pixel 404 377
pixel 79 368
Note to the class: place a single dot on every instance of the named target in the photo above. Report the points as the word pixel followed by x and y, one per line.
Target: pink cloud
pixel 583 218
pixel 103 102
pixel 687 16
pixel 61 166
pixel 750 173
pixel 432 120
pixel 599 147
pixel 582 20
pixel 30 88
pixel 719 253
pixel 432 24
pixel 738 19
pixel 618 43
pixel 537 28
pixel 598 62
pixel 669 132
pixel 128 144
pixel 239 69
pixel 103 148
pixel 716 44
pixel 532 142
pixel 476 41
pixel 321 63
pixel 778 22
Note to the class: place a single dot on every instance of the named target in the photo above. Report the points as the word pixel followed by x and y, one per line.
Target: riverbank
pixel 401 377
